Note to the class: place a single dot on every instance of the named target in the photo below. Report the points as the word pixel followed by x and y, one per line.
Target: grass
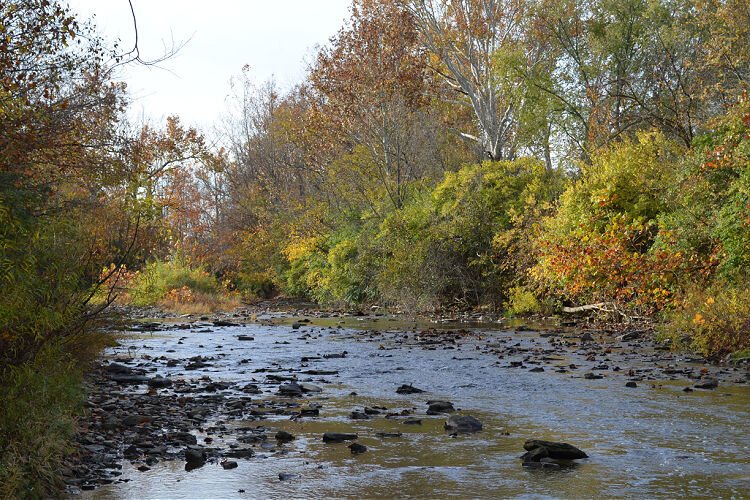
pixel 41 401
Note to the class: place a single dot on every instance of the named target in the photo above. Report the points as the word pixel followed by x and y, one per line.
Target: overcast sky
pixel 275 37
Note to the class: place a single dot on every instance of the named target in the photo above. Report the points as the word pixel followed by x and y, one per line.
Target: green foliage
pixel 605 242
pixel 455 245
pixel 714 321
pixel 154 283
pixel 40 401
pixel 522 301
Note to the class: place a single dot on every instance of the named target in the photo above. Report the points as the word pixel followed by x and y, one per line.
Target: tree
pixel 465 35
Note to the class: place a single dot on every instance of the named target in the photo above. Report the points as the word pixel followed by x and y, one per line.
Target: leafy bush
pixel 605 243
pixel 40 401
pixel 177 286
pixel 713 321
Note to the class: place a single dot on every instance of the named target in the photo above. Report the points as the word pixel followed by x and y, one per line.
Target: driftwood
pixel 601 306
pixel 605 307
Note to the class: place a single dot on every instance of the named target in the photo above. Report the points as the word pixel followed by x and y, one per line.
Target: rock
pixel 182 437
pixel 357 448
pixel 437 407
pixel 296 326
pixel 309 412
pixel 245 337
pixel 463 424
pixel 229 464
pixel 357 415
pixel 337 355
pixel 408 389
pixel 592 376
pixel 389 434
pixel 159 382
pixel 412 421
pixel 338 437
pixel 537 369
pixel 587 337
pixel 286 476
pixel 241 453
pixel 131 452
pixel 221 322
pixel 306 388
pixel 631 384
pixel 118 368
pixel 710 383
pixel 284 437
pixel 144 468
pixel 133 420
pixel 538 449
pixel 291 389
pixel 195 456
pixel 129 379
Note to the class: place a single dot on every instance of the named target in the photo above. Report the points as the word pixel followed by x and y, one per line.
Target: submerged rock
pixel 463 424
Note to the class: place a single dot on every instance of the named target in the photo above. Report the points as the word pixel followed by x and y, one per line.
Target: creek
pixel 653 440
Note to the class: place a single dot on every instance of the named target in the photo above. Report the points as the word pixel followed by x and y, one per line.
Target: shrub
pixel 606 243
pixel 177 286
pixel 713 321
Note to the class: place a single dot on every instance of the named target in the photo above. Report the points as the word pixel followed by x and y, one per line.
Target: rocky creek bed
pixel 264 404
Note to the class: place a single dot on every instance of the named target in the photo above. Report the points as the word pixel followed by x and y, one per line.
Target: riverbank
pixel 220 388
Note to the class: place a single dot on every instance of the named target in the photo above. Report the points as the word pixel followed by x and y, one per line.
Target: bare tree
pixel 465 35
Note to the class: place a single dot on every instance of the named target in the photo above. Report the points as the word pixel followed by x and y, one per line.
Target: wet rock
pixel 389 434
pixel 221 322
pixel 195 457
pixel 118 368
pixel 241 453
pixel 245 338
pixel 412 421
pixel 159 382
pixel 291 389
pixel 357 415
pixel 463 424
pixel 408 389
pixel 286 476
pixel 229 464
pixel 631 384
pixel 284 437
pixel 437 407
pixel 144 468
pixel 357 448
pixel 182 438
pixel 337 355
pixel 309 412
pixel 307 388
pixel 129 378
pixel 593 376
pixel 338 437
pixel 537 369
pixel 710 383
pixel 538 449
pixel 296 326
pixel 251 389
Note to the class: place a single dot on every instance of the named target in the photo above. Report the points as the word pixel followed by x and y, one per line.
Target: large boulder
pixel 463 424
pixel 537 449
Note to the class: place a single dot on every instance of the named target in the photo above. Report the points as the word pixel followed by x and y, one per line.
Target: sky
pixel 276 38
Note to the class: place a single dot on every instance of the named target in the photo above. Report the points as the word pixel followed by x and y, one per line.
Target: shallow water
pixel 644 442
